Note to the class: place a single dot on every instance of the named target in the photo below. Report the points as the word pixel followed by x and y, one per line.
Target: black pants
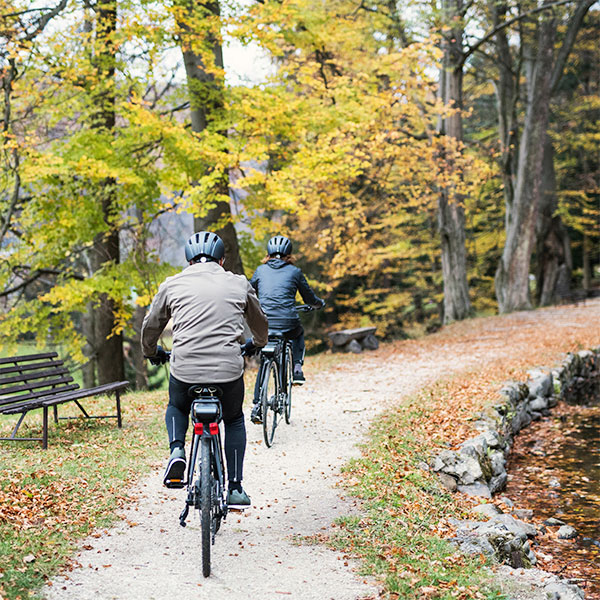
pixel 296 336
pixel 178 417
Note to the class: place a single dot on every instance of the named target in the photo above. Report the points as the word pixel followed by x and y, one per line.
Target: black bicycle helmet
pixel 279 244
pixel 204 243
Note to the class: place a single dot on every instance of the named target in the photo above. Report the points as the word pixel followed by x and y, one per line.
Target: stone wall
pixel 478 467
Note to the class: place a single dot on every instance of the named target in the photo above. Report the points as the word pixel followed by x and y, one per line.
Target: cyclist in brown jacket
pixel 208 306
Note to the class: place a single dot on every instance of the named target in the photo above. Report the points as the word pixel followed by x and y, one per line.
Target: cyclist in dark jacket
pixel 276 283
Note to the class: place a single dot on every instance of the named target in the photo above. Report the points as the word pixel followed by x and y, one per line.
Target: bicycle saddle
pixel 205 391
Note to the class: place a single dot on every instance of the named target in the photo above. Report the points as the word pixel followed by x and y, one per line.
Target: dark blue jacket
pixel 276 283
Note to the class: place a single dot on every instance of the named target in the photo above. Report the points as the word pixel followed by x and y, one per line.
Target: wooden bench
pixel 354 340
pixel 42 381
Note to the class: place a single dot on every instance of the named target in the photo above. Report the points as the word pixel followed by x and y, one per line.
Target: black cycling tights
pixel 178 415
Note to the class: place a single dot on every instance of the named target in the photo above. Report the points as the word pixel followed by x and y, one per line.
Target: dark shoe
pixel 237 499
pixel 298 378
pixel 175 471
pixel 256 414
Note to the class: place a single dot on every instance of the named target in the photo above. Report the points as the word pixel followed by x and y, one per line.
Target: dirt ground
pixel 266 552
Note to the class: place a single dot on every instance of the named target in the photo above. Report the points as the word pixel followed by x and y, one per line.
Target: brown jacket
pixel 208 306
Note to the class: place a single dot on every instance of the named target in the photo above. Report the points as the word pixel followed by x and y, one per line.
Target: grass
pixel 50 500
pixel 405 517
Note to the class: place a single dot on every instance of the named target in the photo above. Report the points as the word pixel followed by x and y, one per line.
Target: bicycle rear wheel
pixel 206 503
pixel 288 379
pixel 269 398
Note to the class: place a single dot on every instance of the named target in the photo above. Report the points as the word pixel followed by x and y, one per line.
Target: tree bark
pixel 206 98
pixel 106 249
pixel 553 249
pixel 451 215
pixel 512 275
pixel 542 73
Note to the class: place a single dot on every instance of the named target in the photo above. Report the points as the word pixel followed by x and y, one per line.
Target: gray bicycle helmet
pixel 204 243
pixel 279 244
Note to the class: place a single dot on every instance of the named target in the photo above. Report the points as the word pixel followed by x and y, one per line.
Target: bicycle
pixel 276 375
pixel 205 479
pixel 206 487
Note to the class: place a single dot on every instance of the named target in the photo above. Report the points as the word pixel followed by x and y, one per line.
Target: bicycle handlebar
pixel 307 307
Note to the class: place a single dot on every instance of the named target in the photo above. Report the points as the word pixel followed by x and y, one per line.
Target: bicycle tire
pixel 206 503
pixel 269 398
pixel 288 377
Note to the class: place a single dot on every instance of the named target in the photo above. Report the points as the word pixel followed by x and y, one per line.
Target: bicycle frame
pixel 205 417
pixel 276 349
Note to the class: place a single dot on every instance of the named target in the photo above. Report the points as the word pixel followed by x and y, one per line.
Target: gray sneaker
pixel 298 377
pixel 256 415
pixel 175 470
pixel 237 499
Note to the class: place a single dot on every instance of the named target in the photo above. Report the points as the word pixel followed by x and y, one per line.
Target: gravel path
pixel 261 554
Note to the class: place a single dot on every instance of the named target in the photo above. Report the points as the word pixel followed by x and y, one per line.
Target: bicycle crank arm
pixel 183 516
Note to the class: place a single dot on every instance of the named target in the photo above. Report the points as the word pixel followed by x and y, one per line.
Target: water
pixel 555 471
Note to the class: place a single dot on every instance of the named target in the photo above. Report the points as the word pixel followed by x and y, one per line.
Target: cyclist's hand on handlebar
pixel 160 358
pixel 249 348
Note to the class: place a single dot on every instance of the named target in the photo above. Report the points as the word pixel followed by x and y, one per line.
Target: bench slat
pixel 19 368
pixel 16 404
pixel 34 385
pixel 27 357
pixel 65 397
pixel 339 338
pixel 32 376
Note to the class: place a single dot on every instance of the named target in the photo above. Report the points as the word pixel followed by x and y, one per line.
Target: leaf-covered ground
pixel 403 402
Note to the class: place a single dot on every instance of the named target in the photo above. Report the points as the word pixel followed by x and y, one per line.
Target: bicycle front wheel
pixel 206 504
pixel 269 398
pixel 288 378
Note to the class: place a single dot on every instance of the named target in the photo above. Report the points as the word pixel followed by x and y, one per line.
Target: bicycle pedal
pixel 237 507
pixel 174 484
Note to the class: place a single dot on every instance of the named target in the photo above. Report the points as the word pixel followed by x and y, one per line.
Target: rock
pixel 536 416
pixel 492 438
pixel 552 401
pixel 353 346
pixel 466 469
pixel 566 532
pixel 370 342
pixel 515 526
pixel 538 404
pixel 506 501
pixel 448 481
pixel 522 513
pixel 498 463
pixel 479 490
pixel 541 386
pixel 553 522
pixel 563 591
pixel 554 483
pixel 498 483
pixel 473 544
pixel 487 510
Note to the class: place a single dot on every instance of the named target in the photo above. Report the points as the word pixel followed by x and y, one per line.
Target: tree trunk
pixel 206 97
pixel 543 72
pixel 136 356
pixel 552 243
pixel 512 275
pixel 451 215
pixel 88 330
pixel 109 345
pixel 587 264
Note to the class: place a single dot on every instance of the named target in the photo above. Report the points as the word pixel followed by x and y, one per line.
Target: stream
pixel 555 471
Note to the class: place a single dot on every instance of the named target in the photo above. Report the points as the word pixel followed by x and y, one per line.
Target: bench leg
pixel 14 433
pixel 55 409
pixel 118 398
pixel 45 429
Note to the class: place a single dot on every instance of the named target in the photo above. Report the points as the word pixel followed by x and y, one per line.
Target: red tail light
pixel 198 428
pixel 213 428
